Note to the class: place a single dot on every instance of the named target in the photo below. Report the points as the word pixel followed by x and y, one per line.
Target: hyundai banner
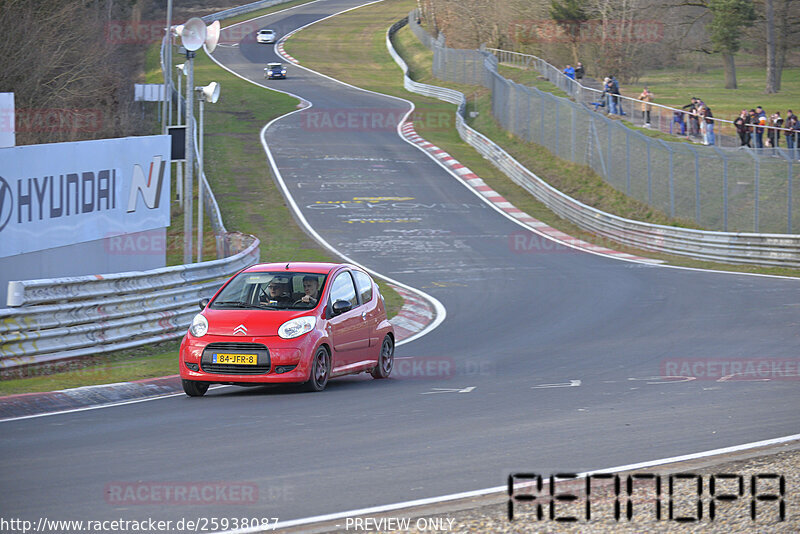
pixel 60 194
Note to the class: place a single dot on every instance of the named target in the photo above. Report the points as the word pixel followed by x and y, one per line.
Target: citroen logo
pixel 241 330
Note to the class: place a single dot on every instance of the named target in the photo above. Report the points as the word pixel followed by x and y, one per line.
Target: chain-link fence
pixel 719 188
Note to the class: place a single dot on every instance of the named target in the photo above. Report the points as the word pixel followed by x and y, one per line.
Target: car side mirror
pixel 203 303
pixel 341 306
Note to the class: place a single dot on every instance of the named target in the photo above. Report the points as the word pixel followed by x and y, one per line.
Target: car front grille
pixel 261 368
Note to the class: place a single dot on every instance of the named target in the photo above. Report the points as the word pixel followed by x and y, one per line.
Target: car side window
pixel 343 289
pixel 364 284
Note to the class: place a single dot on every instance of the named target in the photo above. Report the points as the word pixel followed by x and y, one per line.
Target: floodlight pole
pixel 200 185
pixel 187 184
pixel 168 71
pixel 179 174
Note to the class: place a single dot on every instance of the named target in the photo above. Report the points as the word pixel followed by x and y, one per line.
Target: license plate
pixel 235 359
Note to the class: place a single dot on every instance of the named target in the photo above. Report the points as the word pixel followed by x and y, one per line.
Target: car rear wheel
pixel 193 388
pixel 385 360
pixel 320 370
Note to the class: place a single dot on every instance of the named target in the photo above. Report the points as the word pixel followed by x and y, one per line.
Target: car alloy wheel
pixel 320 370
pixel 385 360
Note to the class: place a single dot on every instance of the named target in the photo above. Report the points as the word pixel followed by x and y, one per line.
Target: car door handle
pixel 363 315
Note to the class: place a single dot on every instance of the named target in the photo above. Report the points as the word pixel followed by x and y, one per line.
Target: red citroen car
pixel 288 323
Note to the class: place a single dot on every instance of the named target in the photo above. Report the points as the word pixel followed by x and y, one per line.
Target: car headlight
pixel 297 327
pixel 199 325
pixel 283 71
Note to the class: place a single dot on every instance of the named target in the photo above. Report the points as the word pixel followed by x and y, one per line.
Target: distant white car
pixel 266 36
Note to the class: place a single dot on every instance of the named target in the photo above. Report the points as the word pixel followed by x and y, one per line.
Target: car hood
pixel 256 322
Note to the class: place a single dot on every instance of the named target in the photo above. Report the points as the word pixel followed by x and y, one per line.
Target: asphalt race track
pixel 548 360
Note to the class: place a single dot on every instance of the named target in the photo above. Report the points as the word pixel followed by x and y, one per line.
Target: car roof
pixel 274 65
pixel 266 31
pixel 296 267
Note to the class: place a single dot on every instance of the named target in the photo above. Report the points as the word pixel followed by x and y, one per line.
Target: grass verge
pixel 327 48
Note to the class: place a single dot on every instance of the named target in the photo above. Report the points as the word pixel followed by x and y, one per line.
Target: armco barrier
pixel 748 248
pixel 80 316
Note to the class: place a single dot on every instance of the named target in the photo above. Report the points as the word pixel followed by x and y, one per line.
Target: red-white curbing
pixel 285 54
pixel 416 314
pixel 475 182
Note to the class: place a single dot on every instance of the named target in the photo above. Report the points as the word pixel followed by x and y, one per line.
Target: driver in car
pixel 278 292
pixel 310 288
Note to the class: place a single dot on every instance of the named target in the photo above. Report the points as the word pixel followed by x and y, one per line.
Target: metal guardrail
pixel 750 248
pixel 63 318
pixel 241 10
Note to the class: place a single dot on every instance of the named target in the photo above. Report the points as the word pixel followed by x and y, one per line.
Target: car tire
pixel 320 370
pixel 385 360
pixel 194 388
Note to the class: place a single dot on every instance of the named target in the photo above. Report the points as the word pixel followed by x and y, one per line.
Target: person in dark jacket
pixel 791 129
pixel 776 121
pixel 741 123
pixel 579 72
pixel 694 123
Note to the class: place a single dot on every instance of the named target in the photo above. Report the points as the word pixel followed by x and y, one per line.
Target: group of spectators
pixel 750 126
pixel 698 118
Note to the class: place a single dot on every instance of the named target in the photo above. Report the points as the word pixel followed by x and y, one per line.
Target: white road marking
pixel 570 384
pixel 449 390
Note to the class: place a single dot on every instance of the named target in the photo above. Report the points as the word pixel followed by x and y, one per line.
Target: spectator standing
pixel 791 121
pixel 761 122
pixel 707 119
pixel 579 72
pixel 694 124
pixel 646 97
pixel 616 93
pixel 607 91
pixel 774 134
pixel 569 72
pixel 741 123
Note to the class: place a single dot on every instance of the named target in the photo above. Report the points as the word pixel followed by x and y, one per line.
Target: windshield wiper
pixel 232 303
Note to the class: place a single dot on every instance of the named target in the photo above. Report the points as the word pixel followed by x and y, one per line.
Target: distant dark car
pixel 275 71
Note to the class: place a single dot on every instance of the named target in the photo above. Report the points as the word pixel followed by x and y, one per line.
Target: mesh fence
pixel 717 187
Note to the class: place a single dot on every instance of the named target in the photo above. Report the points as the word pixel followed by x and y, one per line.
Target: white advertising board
pixel 61 194
pixel 7 117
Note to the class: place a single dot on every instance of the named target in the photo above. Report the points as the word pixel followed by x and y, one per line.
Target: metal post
pixel 574 126
pixel 649 177
pixel 757 179
pixel 628 163
pixel 200 188
pixel 696 187
pixel 168 65
pixel 558 120
pixel 789 199
pixel 187 185
pixel 179 173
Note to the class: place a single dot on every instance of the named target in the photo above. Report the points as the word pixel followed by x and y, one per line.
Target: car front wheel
pixel 385 360
pixel 320 370
pixel 194 388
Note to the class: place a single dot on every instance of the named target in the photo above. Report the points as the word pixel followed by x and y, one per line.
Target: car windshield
pixel 274 65
pixel 279 290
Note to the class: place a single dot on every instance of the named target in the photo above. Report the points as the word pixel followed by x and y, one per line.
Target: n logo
pixel 150 188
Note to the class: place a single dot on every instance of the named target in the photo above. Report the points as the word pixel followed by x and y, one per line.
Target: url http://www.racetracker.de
pixel 198 524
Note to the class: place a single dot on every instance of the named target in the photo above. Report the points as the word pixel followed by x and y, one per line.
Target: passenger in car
pixel 310 289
